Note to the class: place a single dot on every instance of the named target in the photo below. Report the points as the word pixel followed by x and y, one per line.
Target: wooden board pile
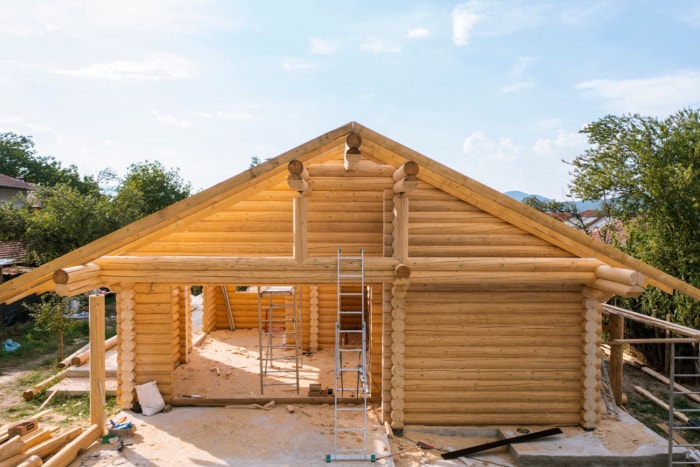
pixel 26 444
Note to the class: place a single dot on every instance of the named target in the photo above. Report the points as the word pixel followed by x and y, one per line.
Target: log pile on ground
pixel 27 444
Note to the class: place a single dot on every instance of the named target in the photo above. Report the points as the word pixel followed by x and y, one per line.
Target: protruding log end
pixel 409 168
pixel 401 271
pixel 295 167
pixel 353 140
pixel 60 277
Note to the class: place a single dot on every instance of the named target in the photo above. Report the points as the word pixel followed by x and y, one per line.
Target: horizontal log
pixel 488 374
pixel 484 396
pixel 83 357
pixel 552 406
pixel 363 169
pixel 514 264
pixel 511 250
pixel 650 320
pixel 76 273
pixel 622 290
pixel 351 183
pixel 418 331
pixel 30 393
pixel 491 419
pixel 623 276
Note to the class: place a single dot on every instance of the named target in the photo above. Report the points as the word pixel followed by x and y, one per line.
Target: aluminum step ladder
pixel 350 434
pixel 279 336
pixel 683 414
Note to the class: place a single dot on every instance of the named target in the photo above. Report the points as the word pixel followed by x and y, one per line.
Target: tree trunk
pixel 60 345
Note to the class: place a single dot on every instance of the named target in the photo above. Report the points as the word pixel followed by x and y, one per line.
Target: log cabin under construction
pixel 480 310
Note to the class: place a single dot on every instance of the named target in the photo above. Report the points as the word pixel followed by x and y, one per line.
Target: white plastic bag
pixel 149 397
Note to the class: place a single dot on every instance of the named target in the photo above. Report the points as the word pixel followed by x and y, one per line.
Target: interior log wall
pixel 158 337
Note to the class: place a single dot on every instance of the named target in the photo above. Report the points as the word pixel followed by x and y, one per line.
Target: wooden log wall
pixel 346 212
pixel 443 226
pixel 313 318
pixel 259 226
pixel 591 330
pixel 492 357
pixel 184 311
pixel 398 353
pixel 126 345
pixel 158 338
pixel 209 308
pixel 244 306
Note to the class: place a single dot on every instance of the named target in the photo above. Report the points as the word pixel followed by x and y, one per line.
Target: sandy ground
pixel 186 436
pixel 227 365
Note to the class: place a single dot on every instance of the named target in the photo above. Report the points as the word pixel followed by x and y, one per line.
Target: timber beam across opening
pixel 312 270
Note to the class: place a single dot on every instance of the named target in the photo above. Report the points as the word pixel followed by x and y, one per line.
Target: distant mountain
pixel 580 205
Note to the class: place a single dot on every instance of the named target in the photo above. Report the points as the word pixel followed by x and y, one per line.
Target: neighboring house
pixel 482 310
pixel 14 190
pixel 11 187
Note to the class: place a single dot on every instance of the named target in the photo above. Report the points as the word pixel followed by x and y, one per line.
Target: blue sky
pixel 495 89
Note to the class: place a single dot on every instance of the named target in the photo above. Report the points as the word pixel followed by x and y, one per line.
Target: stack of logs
pixel 26 444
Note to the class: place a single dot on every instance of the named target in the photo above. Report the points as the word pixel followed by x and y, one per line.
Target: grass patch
pixel 41 348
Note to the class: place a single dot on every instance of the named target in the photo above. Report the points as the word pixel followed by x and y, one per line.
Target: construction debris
pixel 36 445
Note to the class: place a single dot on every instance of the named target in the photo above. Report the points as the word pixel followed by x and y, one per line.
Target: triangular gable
pixel 375 147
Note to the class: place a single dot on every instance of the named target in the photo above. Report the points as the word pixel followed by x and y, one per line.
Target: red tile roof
pixel 12 250
pixel 10 182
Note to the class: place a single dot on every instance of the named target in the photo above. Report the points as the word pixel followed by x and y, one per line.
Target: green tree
pixel 647 172
pixel 149 187
pixel 67 220
pixel 18 159
pixel 50 316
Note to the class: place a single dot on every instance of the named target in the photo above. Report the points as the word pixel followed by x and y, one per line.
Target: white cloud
pixel 169 120
pixel 322 46
pixel 18 122
pixel 75 17
pixel 464 18
pixel 156 68
pixel 564 143
pixel 656 96
pixel 518 73
pixel 378 46
pixel 517 87
pixel 221 115
pixel 296 64
pixel 478 145
pixel 521 66
pixel 418 33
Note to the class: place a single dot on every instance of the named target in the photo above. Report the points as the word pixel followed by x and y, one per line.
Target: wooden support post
pixel 97 360
pixel 400 228
pixel 301 210
pixel 617 331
